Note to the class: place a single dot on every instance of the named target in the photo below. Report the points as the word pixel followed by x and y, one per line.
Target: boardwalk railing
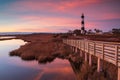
pixel 107 51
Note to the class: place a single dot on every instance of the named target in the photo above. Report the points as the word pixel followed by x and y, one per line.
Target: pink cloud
pixel 51 24
pixel 50 21
pixel 68 7
pixel 62 6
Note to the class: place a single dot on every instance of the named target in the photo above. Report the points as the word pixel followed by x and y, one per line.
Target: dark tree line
pixel 116 31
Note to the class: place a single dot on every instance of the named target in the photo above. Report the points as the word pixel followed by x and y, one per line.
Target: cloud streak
pixel 51 5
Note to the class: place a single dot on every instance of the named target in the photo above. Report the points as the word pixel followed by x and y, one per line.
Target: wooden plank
pixel 116 55
pixel 98 55
pixel 110 45
pixel 102 51
pixel 91 47
pixel 111 60
pixel 97 46
pixel 109 48
pixel 98 52
pixel 108 55
pixel 108 51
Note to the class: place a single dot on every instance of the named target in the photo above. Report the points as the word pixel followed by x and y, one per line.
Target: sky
pixel 58 15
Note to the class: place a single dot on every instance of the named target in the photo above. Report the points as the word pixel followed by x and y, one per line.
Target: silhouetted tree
pixel 70 31
pixel 77 31
pixel 97 30
pixel 116 31
pixel 90 31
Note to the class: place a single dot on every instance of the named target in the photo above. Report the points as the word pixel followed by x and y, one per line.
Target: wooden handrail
pixel 108 51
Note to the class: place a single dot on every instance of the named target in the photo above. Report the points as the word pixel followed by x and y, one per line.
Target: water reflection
pixel 13 68
pixel 6 37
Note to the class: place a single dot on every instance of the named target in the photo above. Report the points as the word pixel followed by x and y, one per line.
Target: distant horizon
pixel 57 32
pixel 15 33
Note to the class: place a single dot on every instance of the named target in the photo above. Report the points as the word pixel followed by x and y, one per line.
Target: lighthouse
pixel 82 24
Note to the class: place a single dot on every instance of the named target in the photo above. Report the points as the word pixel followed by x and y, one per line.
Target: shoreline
pixel 46 47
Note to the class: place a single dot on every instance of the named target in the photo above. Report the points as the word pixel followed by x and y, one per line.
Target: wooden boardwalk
pixel 107 51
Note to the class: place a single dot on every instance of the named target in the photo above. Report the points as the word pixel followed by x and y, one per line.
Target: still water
pixel 13 68
pixel 7 37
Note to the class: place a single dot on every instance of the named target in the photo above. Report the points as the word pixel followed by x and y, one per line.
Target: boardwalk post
pixel 76 49
pixel 118 73
pixel 94 49
pixel 72 48
pixel 103 51
pixel 116 61
pixel 116 55
pixel 90 59
pixel 81 54
pixel 98 65
pixel 85 57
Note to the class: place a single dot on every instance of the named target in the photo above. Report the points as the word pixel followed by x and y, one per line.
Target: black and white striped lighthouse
pixel 82 24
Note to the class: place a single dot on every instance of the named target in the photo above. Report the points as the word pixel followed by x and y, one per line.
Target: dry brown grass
pixel 42 47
